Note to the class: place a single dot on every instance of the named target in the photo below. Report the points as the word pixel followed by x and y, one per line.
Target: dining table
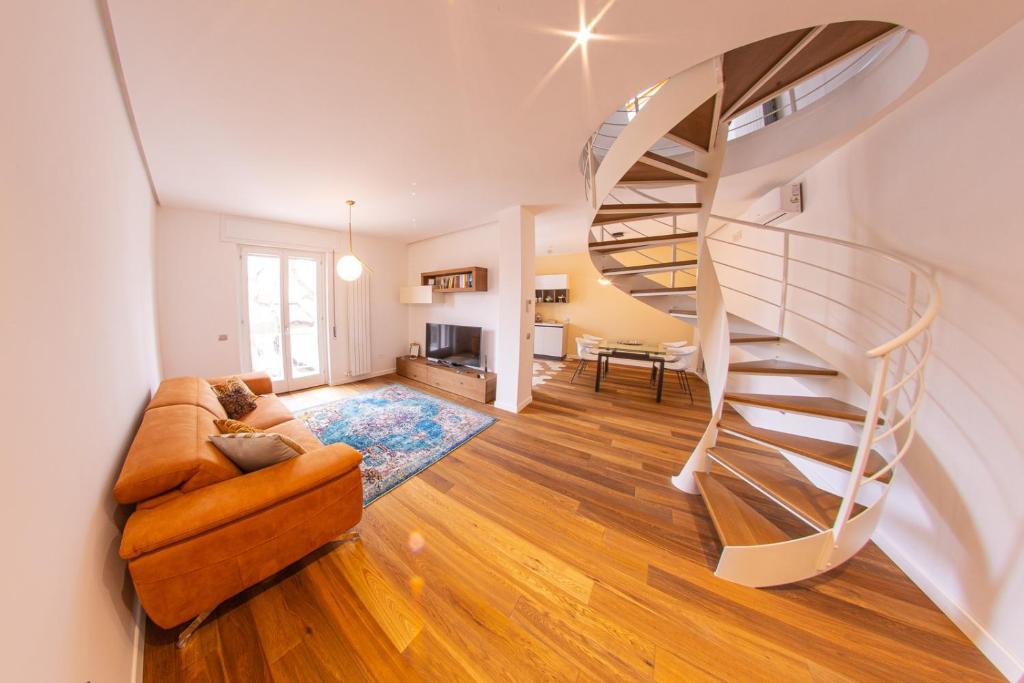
pixel 654 353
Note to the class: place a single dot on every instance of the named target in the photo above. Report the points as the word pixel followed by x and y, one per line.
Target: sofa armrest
pixel 258 382
pixel 220 504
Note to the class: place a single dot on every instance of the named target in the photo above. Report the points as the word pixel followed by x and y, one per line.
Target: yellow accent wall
pixel 603 310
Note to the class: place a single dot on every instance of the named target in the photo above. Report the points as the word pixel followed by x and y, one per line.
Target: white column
pixel 514 347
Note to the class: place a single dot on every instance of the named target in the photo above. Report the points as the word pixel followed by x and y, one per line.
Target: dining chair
pixel 670 346
pixel 585 352
pixel 682 359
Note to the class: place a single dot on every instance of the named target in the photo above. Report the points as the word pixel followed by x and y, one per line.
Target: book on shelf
pixel 457 281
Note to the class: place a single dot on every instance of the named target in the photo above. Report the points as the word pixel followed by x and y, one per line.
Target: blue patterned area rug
pixel 399 431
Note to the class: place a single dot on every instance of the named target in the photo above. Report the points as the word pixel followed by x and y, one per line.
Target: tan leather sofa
pixel 202 530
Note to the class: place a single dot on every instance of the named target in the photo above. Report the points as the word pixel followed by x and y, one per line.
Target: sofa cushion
pixel 269 411
pixel 194 391
pixel 172 449
pixel 297 431
pixel 157 501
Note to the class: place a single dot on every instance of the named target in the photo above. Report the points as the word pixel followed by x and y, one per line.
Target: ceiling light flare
pixel 583 35
pixel 603 281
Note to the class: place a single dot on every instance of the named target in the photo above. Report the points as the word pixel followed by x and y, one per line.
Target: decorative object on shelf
pixel 471 279
pixel 349 267
pixel 629 342
pixel 414 350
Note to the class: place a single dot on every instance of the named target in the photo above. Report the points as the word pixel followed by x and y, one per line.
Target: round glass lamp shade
pixel 349 268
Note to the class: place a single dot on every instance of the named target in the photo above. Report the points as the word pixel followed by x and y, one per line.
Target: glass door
pixel 284 319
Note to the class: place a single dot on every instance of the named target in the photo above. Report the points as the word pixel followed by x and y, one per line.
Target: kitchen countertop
pixel 549 324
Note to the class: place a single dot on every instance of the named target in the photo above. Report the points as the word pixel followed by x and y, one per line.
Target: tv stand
pixel 462 381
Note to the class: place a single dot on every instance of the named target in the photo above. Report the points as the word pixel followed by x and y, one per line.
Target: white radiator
pixel 359 345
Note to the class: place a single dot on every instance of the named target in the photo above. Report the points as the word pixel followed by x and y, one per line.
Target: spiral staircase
pixel 819 440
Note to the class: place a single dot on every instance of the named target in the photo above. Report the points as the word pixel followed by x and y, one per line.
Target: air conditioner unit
pixel 780 204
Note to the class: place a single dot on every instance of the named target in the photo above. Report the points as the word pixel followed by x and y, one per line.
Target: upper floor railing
pixel 811 89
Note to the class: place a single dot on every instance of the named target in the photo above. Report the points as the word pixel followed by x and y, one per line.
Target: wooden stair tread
pixel 648 207
pixel 634 243
pixel 746 338
pixel 778 478
pixel 623 213
pixel 839 455
pixel 780 367
pixel 688 312
pixel 642 174
pixel 664 290
pixel 735 521
pixel 822 406
pixel 659 161
pixel 650 267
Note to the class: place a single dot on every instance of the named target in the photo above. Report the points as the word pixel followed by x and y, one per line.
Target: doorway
pixel 284 316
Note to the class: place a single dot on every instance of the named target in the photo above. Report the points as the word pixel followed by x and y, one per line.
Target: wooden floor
pixel 555 548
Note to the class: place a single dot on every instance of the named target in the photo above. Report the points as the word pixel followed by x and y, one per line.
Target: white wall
pixel 79 350
pixel 473 247
pixel 199 278
pixel 939 180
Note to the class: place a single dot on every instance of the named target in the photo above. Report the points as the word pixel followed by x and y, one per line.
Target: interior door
pixel 284 319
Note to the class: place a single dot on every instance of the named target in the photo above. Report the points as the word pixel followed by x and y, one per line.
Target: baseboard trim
pixel 1002 658
pixel 369 375
pixel 139 642
pixel 511 408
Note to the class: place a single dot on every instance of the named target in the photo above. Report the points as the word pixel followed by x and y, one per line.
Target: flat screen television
pixel 455 345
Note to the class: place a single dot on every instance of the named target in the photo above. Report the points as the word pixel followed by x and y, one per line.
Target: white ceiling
pixel 432 114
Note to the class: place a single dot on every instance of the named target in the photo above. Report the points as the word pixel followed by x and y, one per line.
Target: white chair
pixel 675 344
pixel 593 338
pixel 680 360
pixel 585 352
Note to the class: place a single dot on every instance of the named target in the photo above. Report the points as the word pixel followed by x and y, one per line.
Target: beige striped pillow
pixel 252 451
pixel 239 427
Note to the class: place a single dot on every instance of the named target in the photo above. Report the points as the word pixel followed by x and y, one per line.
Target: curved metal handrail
pixel 934 299
pixel 897 364
pixel 888 388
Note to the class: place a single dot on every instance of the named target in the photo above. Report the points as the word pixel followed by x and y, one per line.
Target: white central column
pixel 514 348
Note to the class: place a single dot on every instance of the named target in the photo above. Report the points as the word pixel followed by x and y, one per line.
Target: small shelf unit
pixel 471 279
pixel 551 289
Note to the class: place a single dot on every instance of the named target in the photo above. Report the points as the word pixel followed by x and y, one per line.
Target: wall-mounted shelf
pixel 471 279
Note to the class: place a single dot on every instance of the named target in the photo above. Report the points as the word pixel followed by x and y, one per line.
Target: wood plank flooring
pixel 555 548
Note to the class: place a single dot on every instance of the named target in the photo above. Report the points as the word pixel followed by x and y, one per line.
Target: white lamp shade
pixel 349 268
pixel 416 294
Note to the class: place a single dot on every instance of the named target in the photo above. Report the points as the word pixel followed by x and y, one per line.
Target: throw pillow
pixel 239 427
pixel 235 427
pixel 236 397
pixel 252 451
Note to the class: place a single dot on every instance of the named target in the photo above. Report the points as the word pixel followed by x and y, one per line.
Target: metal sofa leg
pixel 187 634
